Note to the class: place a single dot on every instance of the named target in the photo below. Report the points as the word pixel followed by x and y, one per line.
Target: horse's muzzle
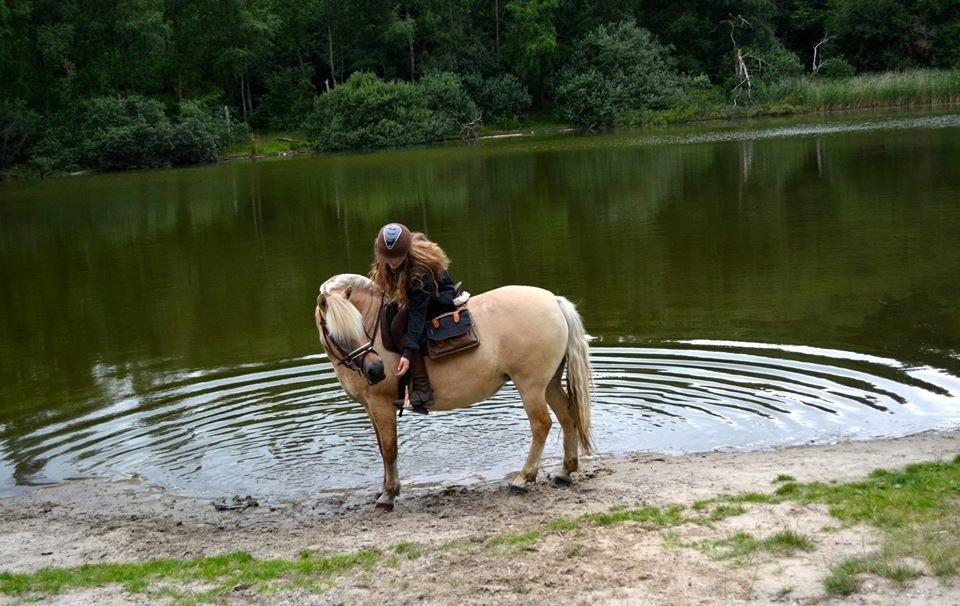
pixel 374 372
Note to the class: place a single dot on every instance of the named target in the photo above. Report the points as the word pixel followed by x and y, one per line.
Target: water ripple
pixel 287 428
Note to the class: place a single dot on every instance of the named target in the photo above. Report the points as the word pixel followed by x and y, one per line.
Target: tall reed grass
pixel 887 89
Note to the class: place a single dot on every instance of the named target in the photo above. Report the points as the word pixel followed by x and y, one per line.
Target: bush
pixel 117 133
pixel 445 94
pixel 366 112
pixel 18 126
pixel 837 67
pixel 135 132
pixel 615 69
pixel 503 99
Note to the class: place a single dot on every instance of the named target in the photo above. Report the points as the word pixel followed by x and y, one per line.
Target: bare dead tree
pixel 739 64
pixel 468 129
pixel 816 48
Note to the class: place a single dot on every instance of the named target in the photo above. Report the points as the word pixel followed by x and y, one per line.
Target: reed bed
pixel 887 89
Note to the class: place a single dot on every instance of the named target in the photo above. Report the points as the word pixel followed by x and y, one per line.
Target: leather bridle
pixel 353 359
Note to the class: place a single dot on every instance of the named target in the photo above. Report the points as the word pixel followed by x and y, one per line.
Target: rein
pixel 354 359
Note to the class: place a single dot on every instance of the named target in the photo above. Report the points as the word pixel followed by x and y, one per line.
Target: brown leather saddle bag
pixel 451 332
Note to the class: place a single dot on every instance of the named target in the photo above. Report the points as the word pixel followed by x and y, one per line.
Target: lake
pixel 748 285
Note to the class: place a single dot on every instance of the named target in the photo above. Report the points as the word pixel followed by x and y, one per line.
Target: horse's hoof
pixel 559 480
pixel 516 489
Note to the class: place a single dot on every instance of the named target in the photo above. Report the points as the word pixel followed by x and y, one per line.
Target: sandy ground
pixel 91 521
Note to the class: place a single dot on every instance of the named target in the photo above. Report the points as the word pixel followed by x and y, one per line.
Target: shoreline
pixel 95 521
pixel 706 119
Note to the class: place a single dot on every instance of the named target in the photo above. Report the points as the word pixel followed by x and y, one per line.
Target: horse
pixel 528 335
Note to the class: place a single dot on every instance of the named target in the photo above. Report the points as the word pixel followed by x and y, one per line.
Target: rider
pixel 412 271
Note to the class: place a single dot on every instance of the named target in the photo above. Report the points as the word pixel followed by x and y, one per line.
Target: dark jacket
pixel 428 299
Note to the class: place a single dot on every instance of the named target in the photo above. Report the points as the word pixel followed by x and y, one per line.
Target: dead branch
pixel 816 47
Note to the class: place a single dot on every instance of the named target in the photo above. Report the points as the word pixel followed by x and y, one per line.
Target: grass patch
pixel 224 571
pixel 843 579
pixel 735 547
pixel 751 497
pixel 740 545
pixel 514 543
pixel 916 508
pixel 268 144
pixel 724 511
pixel 784 478
pixel 655 517
pixel 412 551
pixel 787 542
pixel 562 525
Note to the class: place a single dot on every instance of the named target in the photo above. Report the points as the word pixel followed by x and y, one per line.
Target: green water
pixel 126 299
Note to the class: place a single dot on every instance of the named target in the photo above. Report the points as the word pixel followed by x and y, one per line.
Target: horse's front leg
pixel 384 418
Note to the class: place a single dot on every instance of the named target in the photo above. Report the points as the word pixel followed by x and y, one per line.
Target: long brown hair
pixel 425 257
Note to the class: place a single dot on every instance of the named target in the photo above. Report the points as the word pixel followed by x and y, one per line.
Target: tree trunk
pixel 243 97
pixel 496 22
pixel 249 97
pixel 333 70
pixel 413 65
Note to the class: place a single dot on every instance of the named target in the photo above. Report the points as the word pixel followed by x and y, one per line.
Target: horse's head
pixel 340 322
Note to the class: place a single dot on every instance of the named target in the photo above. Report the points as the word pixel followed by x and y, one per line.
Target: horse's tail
pixel 579 378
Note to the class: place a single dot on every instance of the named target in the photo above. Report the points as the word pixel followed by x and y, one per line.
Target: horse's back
pixel 523 336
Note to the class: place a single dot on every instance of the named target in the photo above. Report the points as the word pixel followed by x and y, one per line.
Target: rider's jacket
pixel 428 299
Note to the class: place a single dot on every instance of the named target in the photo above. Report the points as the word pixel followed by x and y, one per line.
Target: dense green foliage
pixel 366 112
pixel 270 63
pixel 613 70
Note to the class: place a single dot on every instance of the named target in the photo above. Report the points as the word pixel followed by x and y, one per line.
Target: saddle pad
pixel 451 332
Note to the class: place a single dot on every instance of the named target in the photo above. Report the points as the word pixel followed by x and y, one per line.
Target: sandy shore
pixel 91 521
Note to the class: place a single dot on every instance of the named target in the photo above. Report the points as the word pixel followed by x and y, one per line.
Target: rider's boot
pixel 421 393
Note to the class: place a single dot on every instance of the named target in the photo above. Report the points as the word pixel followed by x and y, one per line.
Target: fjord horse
pixel 527 335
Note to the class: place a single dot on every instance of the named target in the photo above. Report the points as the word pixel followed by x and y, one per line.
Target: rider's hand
pixel 402 367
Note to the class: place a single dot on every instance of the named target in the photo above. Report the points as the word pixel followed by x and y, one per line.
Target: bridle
pixel 353 359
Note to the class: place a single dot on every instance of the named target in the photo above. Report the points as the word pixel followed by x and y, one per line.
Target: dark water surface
pixel 749 285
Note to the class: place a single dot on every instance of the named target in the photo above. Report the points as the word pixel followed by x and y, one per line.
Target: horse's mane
pixel 344 280
pixel 344 320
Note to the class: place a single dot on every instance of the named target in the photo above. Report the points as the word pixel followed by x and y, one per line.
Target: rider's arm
pixel 419 295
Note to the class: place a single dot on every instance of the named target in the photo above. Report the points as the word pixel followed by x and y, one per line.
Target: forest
pixel 115 84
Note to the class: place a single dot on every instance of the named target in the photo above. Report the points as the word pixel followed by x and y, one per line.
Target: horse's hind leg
pixel 563 409
pixel 535 403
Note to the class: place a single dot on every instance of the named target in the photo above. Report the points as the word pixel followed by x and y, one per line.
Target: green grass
pixel 655 517
pixel 887 89
pixel 562 525
pixel 224 571
pixel 268 144
pixel 917 510
pixel 411 550
pixel 784 478
pixel 843 579
pixel 514 543
pixel 738 546
pixel 812 94
pixel 724 511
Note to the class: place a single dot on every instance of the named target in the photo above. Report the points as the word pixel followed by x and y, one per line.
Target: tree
pixel 615 69
pixel 532 40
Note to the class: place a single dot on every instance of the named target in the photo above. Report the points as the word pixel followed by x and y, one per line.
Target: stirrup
pixel 419 409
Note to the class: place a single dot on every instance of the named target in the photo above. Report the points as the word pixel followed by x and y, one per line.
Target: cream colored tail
pixel 579 378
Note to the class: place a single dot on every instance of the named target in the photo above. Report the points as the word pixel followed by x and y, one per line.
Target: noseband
pixel 353 359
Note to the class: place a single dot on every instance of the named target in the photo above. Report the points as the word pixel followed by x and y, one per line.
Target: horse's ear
pixel 322 301
pixel 348 291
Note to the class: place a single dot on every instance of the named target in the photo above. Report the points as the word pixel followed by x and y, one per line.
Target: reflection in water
pixel 287 428
pixel 143 314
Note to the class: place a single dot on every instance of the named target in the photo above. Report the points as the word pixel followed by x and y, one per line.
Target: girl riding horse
pixel 412 271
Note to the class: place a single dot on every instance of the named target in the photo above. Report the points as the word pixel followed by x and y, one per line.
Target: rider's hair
pixel 425 257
